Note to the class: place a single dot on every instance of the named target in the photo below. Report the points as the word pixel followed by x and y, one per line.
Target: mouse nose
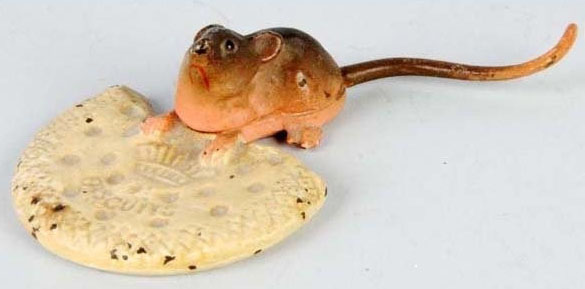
pixel 200 47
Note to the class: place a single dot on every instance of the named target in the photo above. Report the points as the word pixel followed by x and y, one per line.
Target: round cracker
pixel 93 189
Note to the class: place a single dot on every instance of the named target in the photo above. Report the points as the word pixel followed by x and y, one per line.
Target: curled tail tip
pixel 573 28
pixel 569 37
pixel 563 46
pixel 571 32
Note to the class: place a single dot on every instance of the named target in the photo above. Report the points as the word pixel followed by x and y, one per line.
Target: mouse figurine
pixel 281 79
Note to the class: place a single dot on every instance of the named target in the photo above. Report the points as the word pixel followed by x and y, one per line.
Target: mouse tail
pixel 366 71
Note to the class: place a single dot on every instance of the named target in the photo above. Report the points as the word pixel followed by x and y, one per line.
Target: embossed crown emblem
pixel 163 163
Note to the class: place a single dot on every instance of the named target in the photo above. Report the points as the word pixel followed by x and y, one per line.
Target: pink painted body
pixel 264 86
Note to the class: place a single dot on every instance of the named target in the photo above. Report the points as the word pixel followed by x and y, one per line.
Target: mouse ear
pixel 267 45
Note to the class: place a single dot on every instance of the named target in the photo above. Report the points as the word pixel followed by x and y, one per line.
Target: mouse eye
pixel 229 46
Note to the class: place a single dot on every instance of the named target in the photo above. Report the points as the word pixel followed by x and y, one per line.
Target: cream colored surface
pixel 93 189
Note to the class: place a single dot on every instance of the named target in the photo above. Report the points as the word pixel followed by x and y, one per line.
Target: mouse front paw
pixel 306 137
pixel 221 143
pixel 161 123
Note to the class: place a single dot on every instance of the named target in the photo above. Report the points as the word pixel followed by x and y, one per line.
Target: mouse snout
pixel 200 47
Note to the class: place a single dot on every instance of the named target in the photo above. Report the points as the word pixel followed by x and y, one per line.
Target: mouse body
pixel 281 79
pixel 259 84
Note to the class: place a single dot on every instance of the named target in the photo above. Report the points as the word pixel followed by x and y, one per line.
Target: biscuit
pixel 93 189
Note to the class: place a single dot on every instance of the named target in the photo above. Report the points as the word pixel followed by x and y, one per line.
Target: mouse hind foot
pixel 306 137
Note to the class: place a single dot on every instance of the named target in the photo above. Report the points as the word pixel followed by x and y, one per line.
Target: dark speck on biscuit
pixel 168 259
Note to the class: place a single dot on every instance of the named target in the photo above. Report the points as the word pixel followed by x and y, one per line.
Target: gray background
pixel 433 183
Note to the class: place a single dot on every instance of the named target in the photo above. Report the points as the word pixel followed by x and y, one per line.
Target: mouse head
pixel 221 62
